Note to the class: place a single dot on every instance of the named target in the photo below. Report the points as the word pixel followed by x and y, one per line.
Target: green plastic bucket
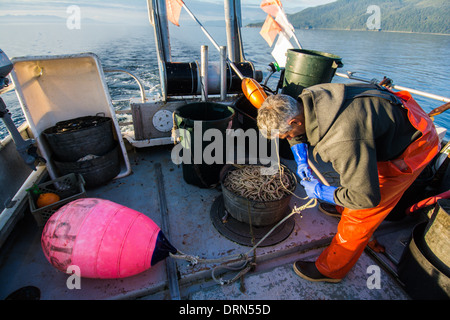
pixel 305 68
pixel 210 116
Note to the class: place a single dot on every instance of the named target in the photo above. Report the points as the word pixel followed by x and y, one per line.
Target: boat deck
pixel 22 262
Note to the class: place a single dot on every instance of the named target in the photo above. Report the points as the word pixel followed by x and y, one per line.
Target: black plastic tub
pixel 96 170
pixel 423 280
pixel 257 213
pixel 210 116
pixel 305 68
pixel 73 139
pixel 437 236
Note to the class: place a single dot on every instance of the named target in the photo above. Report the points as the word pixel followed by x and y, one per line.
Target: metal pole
pixel 164 30
pixel 237 30
pixel 230 27
pixel 296 40
pixel 281 11
pixel 204 73
pixel 420 93
pixel 223 73
pixel 228 6
pixel 232 65
pixel 158 18
pixel 201 27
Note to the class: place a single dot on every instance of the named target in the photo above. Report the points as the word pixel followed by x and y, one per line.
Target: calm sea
pixel 418 61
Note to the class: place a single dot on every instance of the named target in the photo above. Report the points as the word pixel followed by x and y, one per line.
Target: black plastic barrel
pixel 210 116
pixel 73 139
pixel 305 68
pixel 423 280
pixel 96 170
pixel 259 213
pixel 85 145
pixel 437 236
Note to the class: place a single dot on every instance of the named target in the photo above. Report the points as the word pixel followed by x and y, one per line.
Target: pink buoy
pixel 104 239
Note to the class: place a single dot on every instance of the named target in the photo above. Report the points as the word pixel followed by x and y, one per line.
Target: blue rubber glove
pixel 300 152
pixel 315 189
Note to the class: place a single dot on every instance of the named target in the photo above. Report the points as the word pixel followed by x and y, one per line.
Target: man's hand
pixel 300 152
pixel 315 189
pixel 310 186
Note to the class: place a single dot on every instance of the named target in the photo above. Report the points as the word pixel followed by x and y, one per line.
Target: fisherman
pixel 377 141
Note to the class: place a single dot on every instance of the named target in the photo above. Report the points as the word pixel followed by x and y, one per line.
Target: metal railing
pixel 350 75
pixel 141 85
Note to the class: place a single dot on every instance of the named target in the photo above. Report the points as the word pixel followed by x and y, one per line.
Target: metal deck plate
pixel 241 232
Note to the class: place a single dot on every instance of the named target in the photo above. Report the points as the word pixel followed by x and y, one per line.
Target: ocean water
pixel 417 61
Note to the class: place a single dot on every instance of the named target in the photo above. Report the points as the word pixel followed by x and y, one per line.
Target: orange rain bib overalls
pixel 395 176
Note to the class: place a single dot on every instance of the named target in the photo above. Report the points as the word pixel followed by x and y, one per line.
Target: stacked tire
pixel 85 145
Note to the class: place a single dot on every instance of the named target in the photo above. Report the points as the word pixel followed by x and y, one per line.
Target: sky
pixel 135 11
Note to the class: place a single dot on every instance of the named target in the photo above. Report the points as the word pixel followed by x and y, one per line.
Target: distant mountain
pixel 429 16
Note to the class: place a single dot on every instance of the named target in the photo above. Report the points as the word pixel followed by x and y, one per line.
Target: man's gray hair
pixel 275 113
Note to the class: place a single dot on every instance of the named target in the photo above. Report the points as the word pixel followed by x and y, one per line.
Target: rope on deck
pixel 229 261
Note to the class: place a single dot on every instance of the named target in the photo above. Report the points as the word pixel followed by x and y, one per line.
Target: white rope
pixel 194 260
